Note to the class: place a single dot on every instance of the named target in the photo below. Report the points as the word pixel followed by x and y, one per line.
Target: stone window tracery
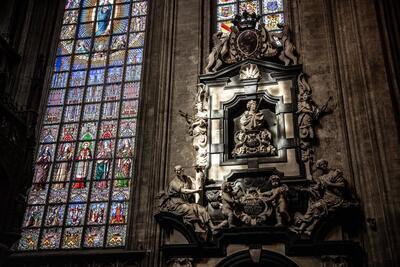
pixel 84 164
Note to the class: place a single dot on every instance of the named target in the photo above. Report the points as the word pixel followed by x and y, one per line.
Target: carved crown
pixel 246 20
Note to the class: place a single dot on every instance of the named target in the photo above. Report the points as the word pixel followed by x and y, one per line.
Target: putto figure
pixel 277 196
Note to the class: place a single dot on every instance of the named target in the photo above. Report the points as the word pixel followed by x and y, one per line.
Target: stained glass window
pixel 84 164
pixel 271 11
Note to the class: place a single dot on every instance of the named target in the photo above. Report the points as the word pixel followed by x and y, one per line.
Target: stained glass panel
pixel 91 112
pixel 133 73
pixel 87 15
pixel 123 171
pixel 112 92
pixel 88 131
pixel 80 62
pixel 129 108
pixel 51 238
pixel 33 216
pixel 62 63
pixel 94 94
pixel 75 214
pixel 117 57
pixel 135 56
pixel 59 80
pixel 83 46
pixel 120 26
pixel 138 24
pixel 58 193
pixel 62 171
pixel 272 12
pixel 272 20
pixel 110 110
pixel 29 240
pixel 68 32
pixel 54 215
pixel 121 190
pixel 94 237
pixel 65 47
pixel 226 12
pixel 72 238
pixel 97 213
pixel 139 8
pixel 100 191
pixel 122 11
pixel 131 90
pixel 84 162
pixel 37 195
pixel 49 134
pixel 127 128
pixel 270 6
pixel 69 132
pixel 250 7
pixel 116 236
pixel 72 113
pixel 108 129
pixel 118 213
pixel 136 39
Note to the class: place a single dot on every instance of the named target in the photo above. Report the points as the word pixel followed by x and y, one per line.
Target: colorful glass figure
pixel 84 164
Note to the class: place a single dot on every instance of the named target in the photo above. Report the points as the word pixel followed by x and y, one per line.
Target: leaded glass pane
pixel 94 237
pixel 84 161
pixel 72 238
pixel 116 236
pixel 270 10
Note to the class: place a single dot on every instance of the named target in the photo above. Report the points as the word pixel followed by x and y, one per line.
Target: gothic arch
pixel 267 258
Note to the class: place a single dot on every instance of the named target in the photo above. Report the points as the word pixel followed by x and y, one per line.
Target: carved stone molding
pixel 180 262
pixel 249 71
pixel 334 261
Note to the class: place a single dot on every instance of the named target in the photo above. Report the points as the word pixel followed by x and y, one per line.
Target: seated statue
pixel 329 193
pixel 251 119
pixel 178 200
pixel 252 136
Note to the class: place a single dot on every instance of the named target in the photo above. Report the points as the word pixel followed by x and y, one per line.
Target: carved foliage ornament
pixel 308 113
pixel 249 38
pixel 198 125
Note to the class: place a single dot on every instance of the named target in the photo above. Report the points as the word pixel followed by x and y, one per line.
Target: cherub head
pixel 251 105
pixel 275 180
pixel 179 170
pixel 322 164
pixel 226 187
